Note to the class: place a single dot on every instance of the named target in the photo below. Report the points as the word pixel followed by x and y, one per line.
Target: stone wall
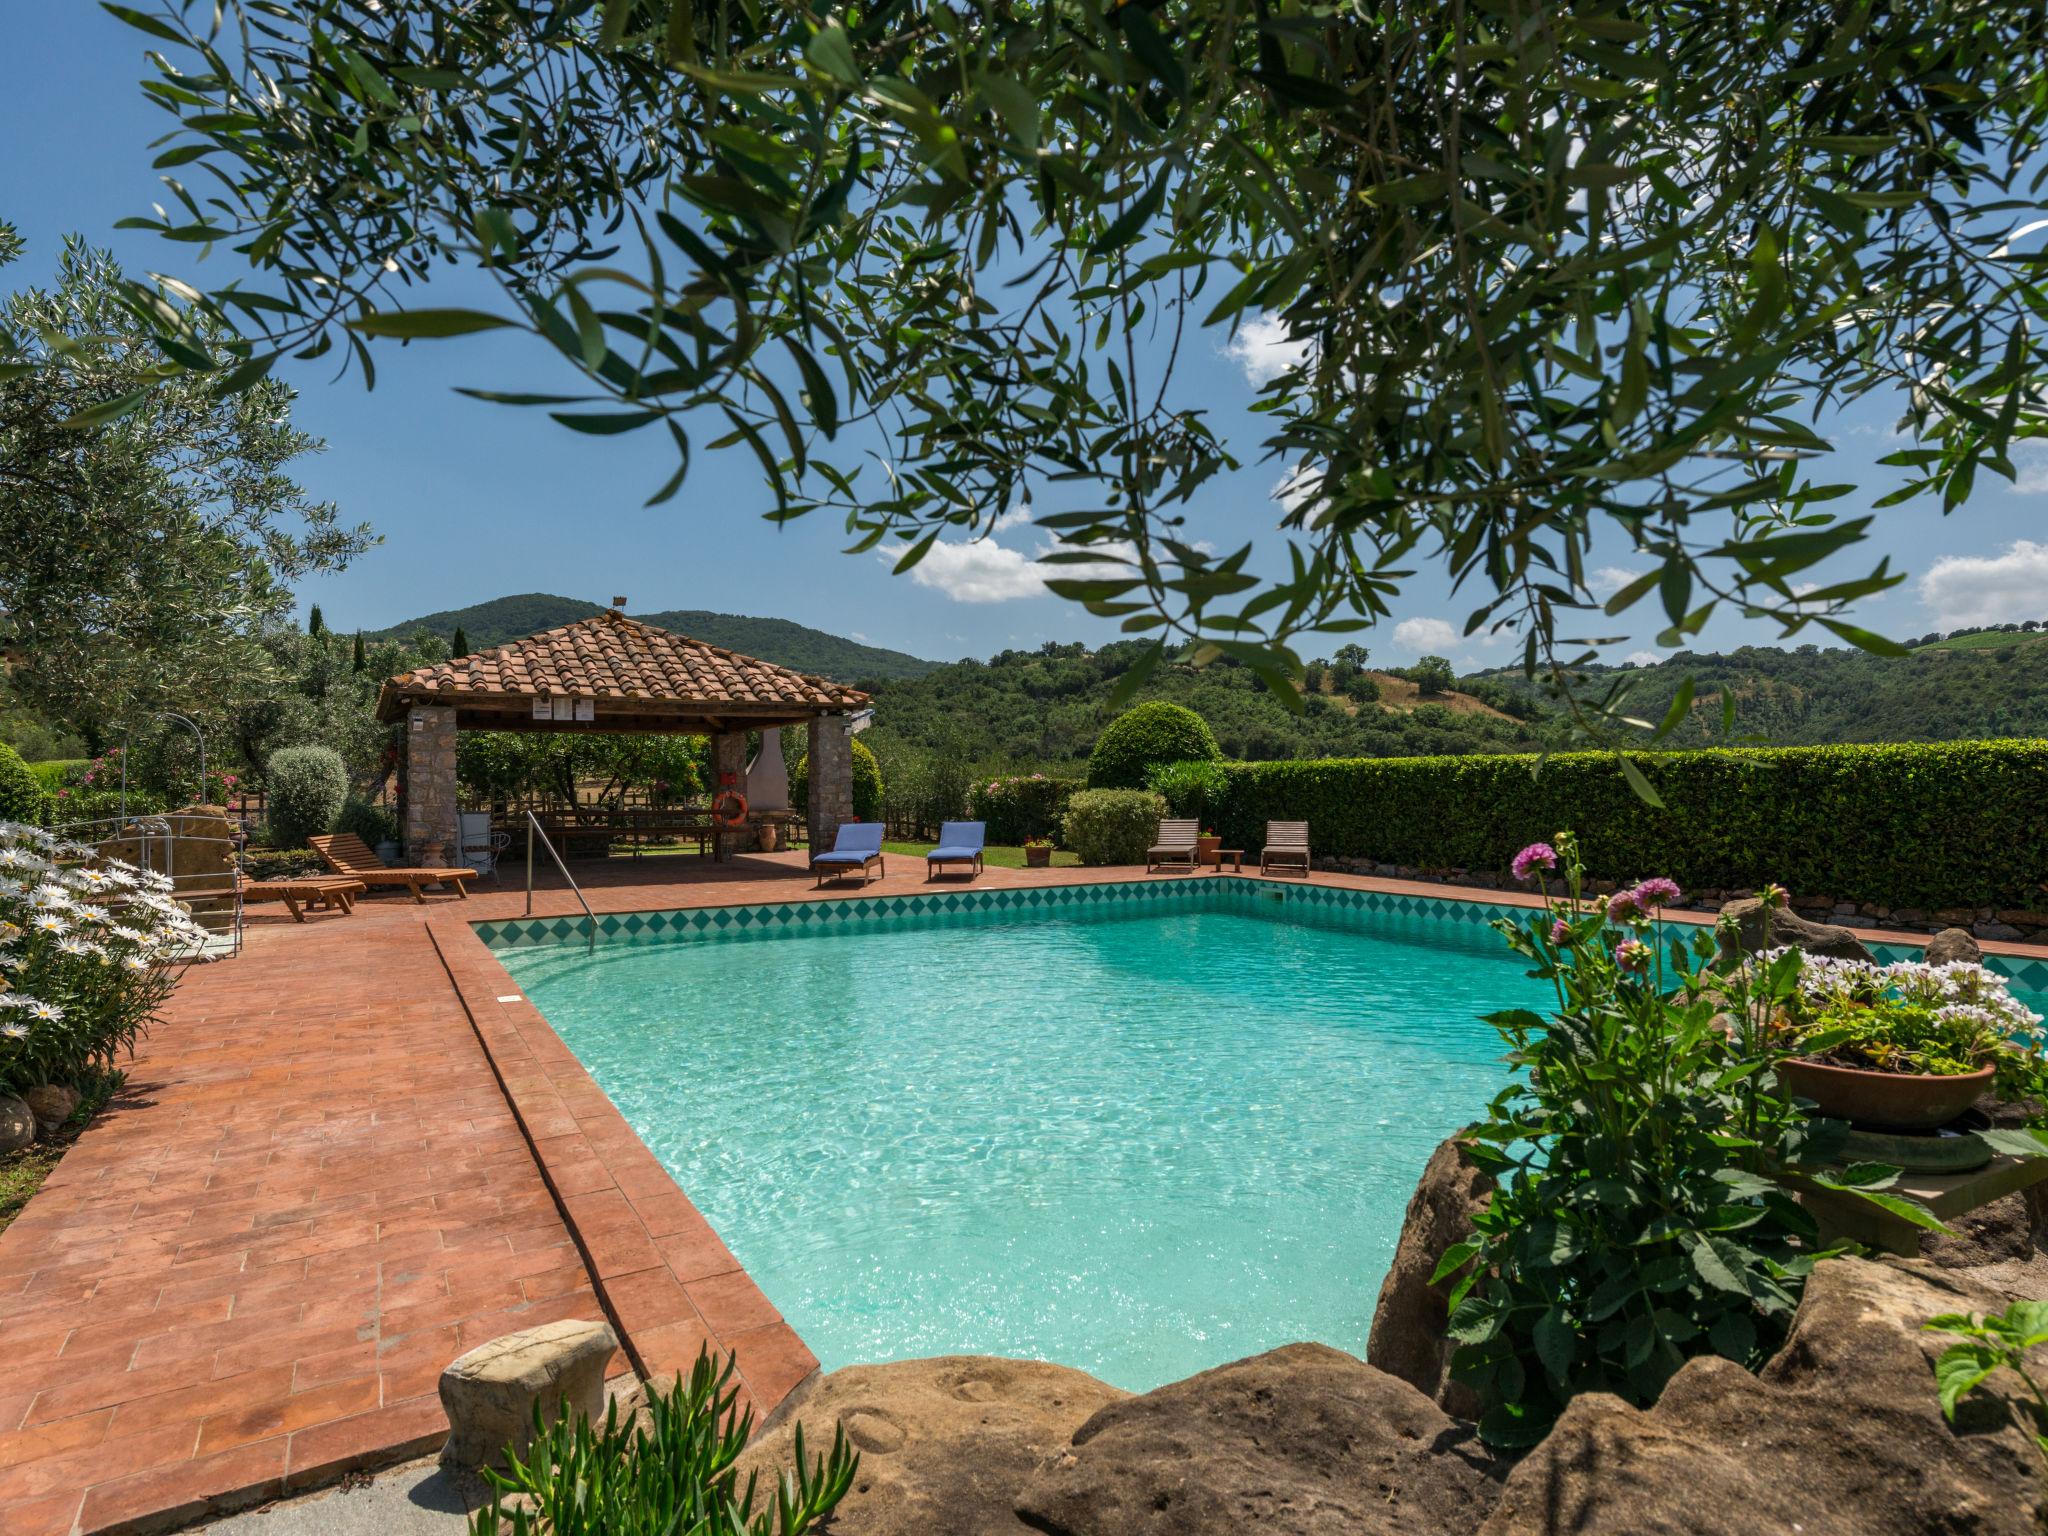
pixel 430 804
pixel 729 756
pixel 830 770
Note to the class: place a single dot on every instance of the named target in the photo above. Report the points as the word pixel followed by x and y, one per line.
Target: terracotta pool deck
pixel 345 1157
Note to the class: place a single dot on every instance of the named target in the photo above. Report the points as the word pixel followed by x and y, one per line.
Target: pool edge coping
pixel 667 1282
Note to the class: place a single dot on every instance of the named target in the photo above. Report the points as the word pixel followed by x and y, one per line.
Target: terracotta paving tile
pixel 172 1496
pixel 732 1303
pixel 298 1410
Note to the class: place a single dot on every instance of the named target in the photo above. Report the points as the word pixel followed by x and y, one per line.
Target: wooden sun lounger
pixel 314 890
pixel 1176 845
pixel 347 854
pixel 1286 846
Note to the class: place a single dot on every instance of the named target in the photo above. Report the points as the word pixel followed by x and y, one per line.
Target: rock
pixel 1953 946
pixel 52 1105
pixel 1841 1435
pixel 945 1445
pixel 1303 1441
pixel 1759 928
pixel 1993 929
pixel 1407 1338
pixel 1992 1234
pixel 17 1123
pixel 489 1394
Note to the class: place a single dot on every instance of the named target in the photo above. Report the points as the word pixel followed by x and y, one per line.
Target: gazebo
pixel 614 674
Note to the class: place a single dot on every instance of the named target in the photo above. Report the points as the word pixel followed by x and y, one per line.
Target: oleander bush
pixel 671 1476
pixel 1923 824
pixel 1020 806
pixel 1112 826
pixel 1137 740
pixel 307 787
pixel 22 796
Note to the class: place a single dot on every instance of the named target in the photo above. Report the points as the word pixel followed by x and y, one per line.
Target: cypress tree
pixel 461 645
pixel 315 625
pixel 359 661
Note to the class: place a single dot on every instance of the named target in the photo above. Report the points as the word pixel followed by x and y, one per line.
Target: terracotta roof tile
pixel 611 656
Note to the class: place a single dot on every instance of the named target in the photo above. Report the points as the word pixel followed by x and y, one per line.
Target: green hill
pixel 778 640
pixel 1954 690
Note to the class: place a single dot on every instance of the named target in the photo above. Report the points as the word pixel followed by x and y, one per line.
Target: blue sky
pixel 475 501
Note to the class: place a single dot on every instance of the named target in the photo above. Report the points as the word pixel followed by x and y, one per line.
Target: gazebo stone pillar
pixel 729 756
pixel 430 805
pixel 829 770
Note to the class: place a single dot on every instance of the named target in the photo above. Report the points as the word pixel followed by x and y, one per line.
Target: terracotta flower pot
pixel 1037 855
pixel 1885 1101
pixel 1205 849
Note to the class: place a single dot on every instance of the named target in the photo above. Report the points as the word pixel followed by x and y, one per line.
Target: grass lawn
pixel 22 1173
pixel 994 858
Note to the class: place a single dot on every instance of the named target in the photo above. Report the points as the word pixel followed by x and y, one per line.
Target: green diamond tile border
pixel 1224 893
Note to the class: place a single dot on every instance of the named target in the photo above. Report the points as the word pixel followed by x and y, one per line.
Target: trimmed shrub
pixel 1926 825
pixel 1154 732
pixel 867 781
pixel 1020 806
pixel 1112 826
pixel 22 797
pixel 78 804
pixel 280 863
pixel 1193 789
pixel 307 786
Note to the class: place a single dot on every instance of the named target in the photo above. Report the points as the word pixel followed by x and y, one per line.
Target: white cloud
pixel 1610 579
pixel 1643 658
pixel 1293 489
pixel 1262 348
pixel 983 571
pixel 1963 590
pixel 1430 636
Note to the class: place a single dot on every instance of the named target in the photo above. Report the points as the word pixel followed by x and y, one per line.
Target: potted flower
pixel 1037 852
pixel 1904 1047
pixel 1206 846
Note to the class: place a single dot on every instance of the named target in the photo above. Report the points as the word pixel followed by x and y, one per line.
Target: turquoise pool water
pixel 1140 1140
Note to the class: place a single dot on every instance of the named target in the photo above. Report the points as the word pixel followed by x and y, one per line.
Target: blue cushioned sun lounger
pixel 960 842
pixel 858 845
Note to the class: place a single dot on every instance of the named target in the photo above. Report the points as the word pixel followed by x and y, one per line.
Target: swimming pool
pixel 1142 1129
pixel 1137 1127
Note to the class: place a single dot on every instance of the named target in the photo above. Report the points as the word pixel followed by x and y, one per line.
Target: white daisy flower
pixel 13 1030
pixel 49 1013
pixel 50 922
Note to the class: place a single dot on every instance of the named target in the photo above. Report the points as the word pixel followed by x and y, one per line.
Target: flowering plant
pixel 1635 1222
pixel 1914 1017
pixel 84 946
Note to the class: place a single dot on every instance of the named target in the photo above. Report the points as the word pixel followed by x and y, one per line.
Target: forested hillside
pixel 1814 696
pixel 778 640
pixel 1044 708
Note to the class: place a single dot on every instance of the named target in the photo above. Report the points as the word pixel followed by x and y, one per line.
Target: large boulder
pixel 1759 927
pixel 1407 1338
pixel 1840 1435
pixel 1953 946
pixel 1303 1441
pixel 2005 1231
pixel 944 1444
pixel 490 1394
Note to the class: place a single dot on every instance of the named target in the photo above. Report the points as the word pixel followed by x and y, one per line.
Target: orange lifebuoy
pixel 729 808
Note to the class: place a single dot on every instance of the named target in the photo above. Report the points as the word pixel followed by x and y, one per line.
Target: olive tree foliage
pixel 1533 271
pixel 148 521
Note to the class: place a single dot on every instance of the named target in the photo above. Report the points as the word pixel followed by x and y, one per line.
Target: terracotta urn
pixel 1037 855
pixel 1883 1101
pixel 1206 847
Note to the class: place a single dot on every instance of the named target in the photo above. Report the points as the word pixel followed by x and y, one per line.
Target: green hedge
pixel 22 797
pixel 1936 824
pixel 1112 826
pixel 1018 806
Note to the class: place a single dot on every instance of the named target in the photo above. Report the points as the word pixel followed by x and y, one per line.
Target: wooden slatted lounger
pixel 347 854
pixel 314 890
